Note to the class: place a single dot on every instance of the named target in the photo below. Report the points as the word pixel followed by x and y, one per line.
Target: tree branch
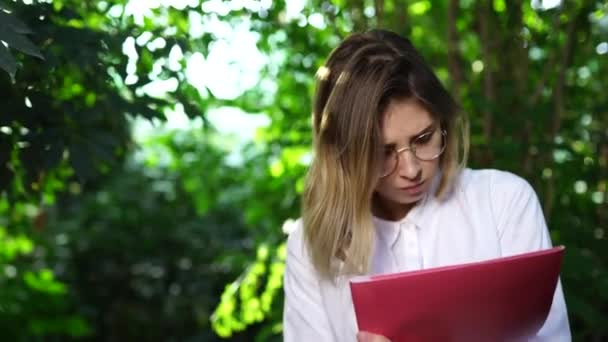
pixel 560 103
pixel 519 48
pixel 549 66
pixel 379 9
pixel 489 85
pixel 453 52
pixel 400 19
pixel 357 13
pixel 558 90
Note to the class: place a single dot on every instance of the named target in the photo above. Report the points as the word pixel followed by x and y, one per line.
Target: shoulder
pixel 295 236
pixel 297 251
pixel 493 183
pixel 501 196
pixel 492 193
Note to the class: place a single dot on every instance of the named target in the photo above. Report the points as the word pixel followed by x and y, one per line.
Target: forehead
pixel 404 119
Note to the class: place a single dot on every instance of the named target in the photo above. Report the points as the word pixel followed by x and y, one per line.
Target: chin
pixel 412 199
pixel 406 199
pixel 401 197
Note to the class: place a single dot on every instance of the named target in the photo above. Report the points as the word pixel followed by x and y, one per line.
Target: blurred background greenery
pixel 152 152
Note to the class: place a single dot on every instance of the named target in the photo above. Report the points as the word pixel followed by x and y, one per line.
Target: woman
pixel 387 192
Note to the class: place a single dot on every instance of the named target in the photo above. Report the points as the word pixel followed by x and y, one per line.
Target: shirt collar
pixel 389 230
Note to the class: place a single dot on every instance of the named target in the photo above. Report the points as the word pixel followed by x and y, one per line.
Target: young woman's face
pixel 405 124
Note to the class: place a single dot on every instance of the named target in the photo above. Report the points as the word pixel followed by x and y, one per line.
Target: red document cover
pixel 503 299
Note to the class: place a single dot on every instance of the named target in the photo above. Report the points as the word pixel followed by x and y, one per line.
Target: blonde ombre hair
pixel 361 76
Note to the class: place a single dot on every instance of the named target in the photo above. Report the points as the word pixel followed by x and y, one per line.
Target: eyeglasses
pixel 426 147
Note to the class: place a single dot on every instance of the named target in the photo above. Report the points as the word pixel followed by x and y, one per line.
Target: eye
pixel 388 151
pixel 424 138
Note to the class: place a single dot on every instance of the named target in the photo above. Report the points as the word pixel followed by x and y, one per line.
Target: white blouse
pixel 489 214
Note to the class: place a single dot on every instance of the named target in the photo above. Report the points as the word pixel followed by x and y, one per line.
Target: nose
pixel 409 165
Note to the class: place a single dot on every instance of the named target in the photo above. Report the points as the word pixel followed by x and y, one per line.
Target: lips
pixel 413 187
pixel 413 190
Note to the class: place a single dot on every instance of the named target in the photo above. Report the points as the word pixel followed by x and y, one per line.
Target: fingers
pixel 364 336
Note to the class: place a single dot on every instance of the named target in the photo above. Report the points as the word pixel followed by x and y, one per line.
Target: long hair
pixel 361 76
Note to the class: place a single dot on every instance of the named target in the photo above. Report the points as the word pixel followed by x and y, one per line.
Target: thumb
pixel 364 336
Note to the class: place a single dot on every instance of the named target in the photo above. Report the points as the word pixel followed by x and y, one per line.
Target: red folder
pixel 504 299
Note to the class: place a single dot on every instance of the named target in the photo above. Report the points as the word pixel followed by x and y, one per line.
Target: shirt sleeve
pixel 522 228
pixel 304 315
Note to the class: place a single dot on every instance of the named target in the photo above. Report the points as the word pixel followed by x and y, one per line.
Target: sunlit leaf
pixel 419 7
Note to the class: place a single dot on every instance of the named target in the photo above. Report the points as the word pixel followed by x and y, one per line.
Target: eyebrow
pixel 427 129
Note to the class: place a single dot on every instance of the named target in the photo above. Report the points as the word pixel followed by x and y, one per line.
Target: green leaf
pixel 419 8
pixel 19 42
pixel 44 282
pixel 499 6
pixel 7 61
pixel 77 327
pixel 16 25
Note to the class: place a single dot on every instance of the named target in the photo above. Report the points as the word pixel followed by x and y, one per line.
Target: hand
pixel 363 336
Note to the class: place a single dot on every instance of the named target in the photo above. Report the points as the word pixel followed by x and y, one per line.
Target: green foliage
pixel 152 262
pixel 13 32
pixel 12 246
pixel 106 237
pixel 250 298
pixel 33 302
